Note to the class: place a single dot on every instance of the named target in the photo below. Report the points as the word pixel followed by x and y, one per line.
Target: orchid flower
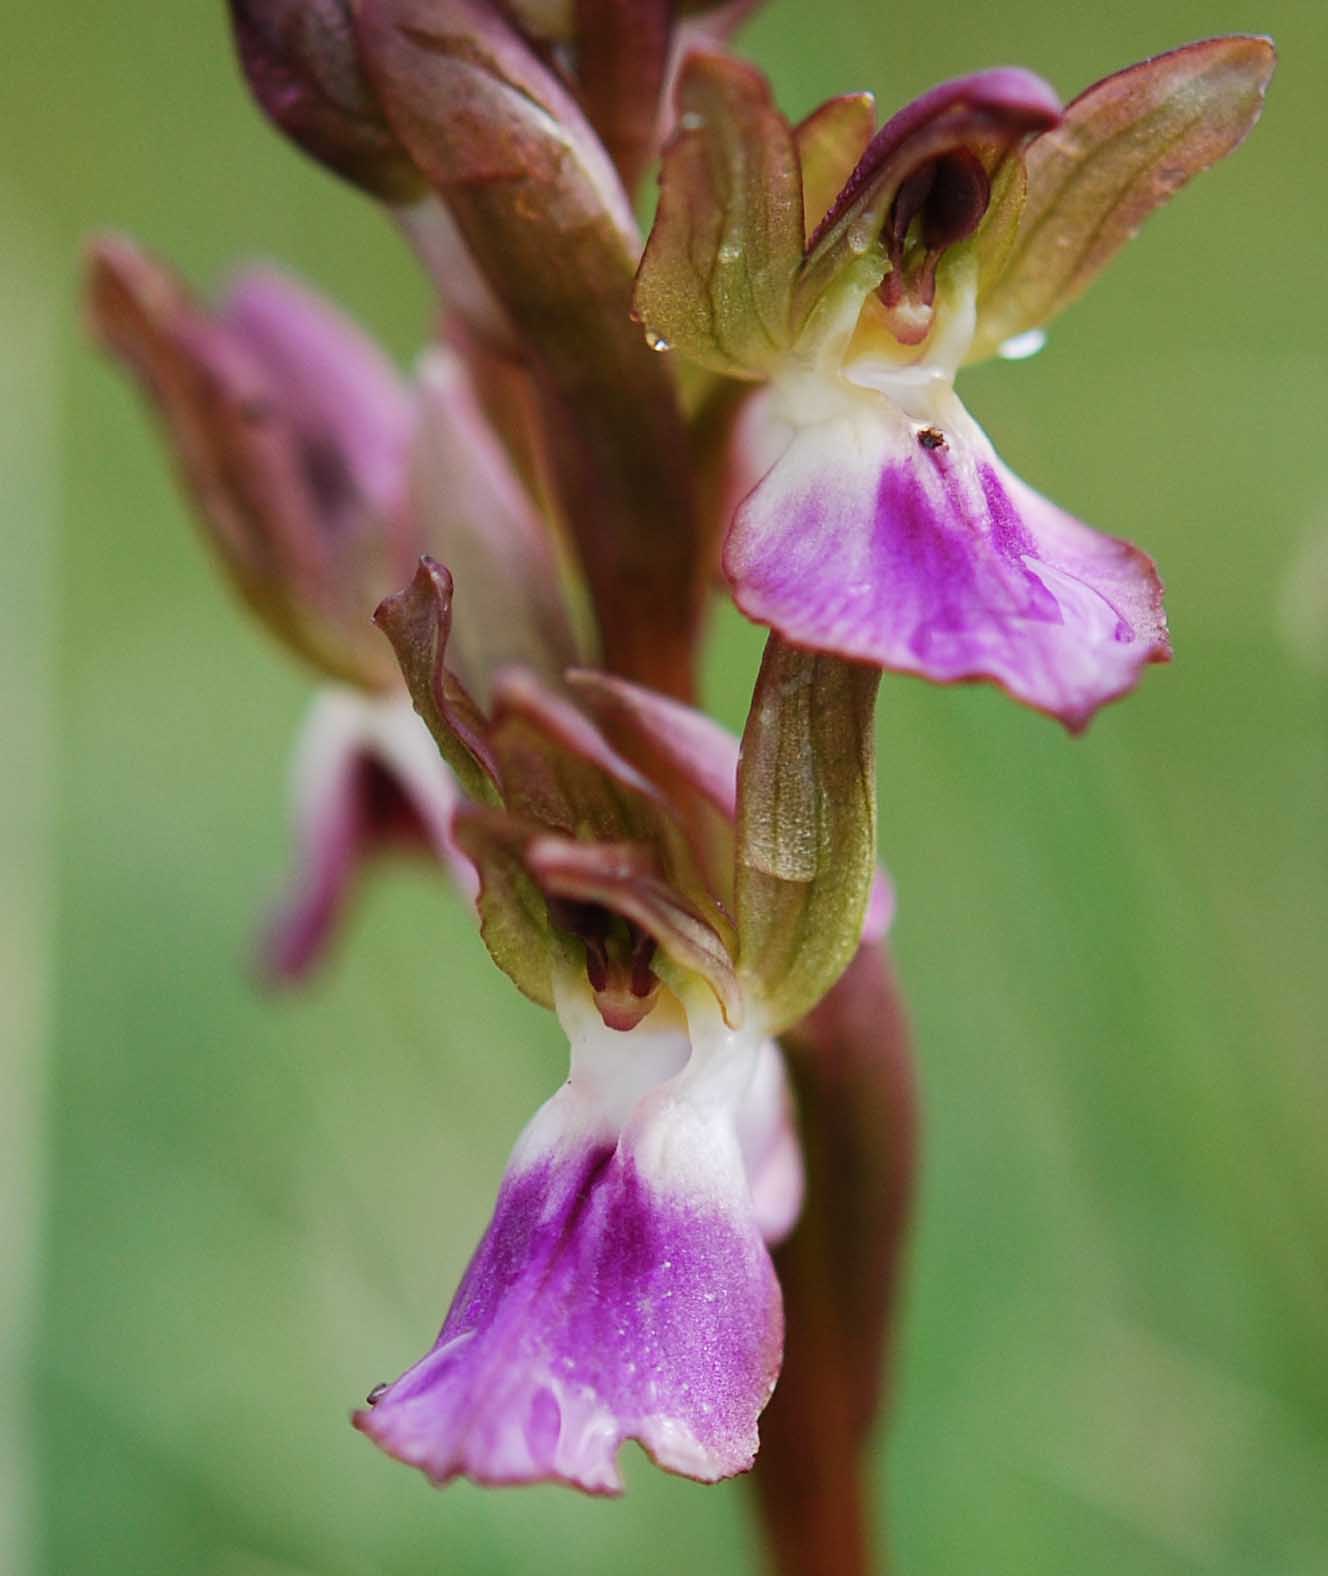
pixel 855 273
pixel 665 901
pixel 321 476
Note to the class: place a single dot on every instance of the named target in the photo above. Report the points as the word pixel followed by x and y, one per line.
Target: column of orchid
pixel 535 524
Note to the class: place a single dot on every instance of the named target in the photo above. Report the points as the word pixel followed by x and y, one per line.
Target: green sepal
pixel 830 142
pixel 806 827
pixel 514 917
pixel 1123 148
pixel 716 280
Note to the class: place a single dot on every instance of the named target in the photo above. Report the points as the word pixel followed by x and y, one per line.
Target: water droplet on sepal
pixel 1019 347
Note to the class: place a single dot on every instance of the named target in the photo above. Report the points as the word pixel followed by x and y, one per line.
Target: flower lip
pixel 623 1289
pixel 871 539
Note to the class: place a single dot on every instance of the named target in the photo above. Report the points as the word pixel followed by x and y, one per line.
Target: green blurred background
pixel 230 1215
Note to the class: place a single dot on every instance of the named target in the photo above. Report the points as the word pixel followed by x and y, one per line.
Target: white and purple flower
pixel 637 876
pixel 623 1289
pixel 855 273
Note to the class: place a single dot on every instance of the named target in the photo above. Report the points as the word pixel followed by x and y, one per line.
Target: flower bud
pixel 301 60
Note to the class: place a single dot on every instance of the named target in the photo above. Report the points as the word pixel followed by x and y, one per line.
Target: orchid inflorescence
pixel 536 524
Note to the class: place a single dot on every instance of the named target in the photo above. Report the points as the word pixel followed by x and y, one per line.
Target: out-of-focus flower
pixel 316 471
pixel 678 907
pixel 856 273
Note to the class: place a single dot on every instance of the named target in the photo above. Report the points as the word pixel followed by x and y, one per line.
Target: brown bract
pixel 544 215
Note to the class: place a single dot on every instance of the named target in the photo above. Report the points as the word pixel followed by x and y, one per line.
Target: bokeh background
pixel 229 1216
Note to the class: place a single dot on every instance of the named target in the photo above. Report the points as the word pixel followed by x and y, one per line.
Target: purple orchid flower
pixel 855 274
pixel 639 877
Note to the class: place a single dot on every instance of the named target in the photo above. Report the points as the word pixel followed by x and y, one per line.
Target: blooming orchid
pixel 640 880
pixel 856 273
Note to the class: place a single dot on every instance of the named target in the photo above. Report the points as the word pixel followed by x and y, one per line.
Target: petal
pixel 622 1290
pixel 366 777
pixel 1124 147
pixel 691 759
pixel 771 1153
pixel 559 771
pixel 987 114
pixel 1002 105
pixel 622 879
pixel 909 545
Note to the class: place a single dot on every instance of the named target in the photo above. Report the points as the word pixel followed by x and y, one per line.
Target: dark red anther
pixel 644 979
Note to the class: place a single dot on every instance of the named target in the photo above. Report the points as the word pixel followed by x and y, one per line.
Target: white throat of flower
pixel 823 379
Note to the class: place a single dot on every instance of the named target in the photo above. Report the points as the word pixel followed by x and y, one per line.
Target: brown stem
pixel 852 1069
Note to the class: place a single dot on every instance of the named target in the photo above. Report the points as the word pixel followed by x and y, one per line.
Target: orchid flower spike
pixel 320 476
pixel 668 903
pixel 854 272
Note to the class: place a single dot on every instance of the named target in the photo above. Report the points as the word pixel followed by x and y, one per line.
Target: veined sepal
pixel 717 276
pixel 806 828
pixel 1124 147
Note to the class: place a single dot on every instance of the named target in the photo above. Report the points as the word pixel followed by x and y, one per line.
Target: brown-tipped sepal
pixel 418 622
pixel 1124 147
